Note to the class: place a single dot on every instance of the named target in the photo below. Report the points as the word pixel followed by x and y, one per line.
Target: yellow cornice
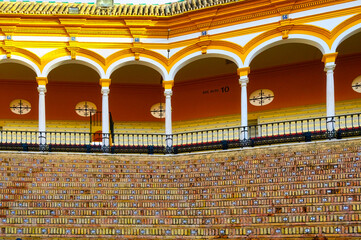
pixel 157 26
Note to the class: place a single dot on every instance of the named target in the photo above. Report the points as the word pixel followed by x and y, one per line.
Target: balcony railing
pixel 213 139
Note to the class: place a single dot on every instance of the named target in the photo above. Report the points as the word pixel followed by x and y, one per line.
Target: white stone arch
pixel 142 61
pixel 292 38
pixel 67 59
pixel 198 55
pixel 23 61
pixel 346 34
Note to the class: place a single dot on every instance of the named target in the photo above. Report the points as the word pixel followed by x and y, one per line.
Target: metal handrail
pixel 218 138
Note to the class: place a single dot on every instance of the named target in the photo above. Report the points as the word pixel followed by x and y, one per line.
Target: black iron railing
pixel 212 139
pixel 269 133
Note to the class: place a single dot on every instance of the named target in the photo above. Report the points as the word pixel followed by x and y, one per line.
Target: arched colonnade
pixel 168 68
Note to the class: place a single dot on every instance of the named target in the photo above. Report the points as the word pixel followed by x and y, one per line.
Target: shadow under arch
pixel 67 59
pixel 211 53
pixel 23 61
pixel 142 61
pixel 277 41
pixel 349 32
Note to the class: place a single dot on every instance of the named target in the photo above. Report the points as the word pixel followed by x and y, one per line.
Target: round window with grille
pixel 356 84
pixel 158 110
pixel 85 109
pixel 261 97
pixel 20 106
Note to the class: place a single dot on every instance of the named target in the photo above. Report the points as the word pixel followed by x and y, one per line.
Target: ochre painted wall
pixel 206 98
pixel 133 102
pixel 11 90
pixel 347 69
pixel 294 85
pixel 61 99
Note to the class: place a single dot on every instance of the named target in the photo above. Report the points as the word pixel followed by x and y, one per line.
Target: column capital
pixel 104 82
pixel 168 92
pixel 42 81
pixel 329 57
pixel 168 84
pixel 243 81
pixel 42 89
pixel 243 71
pixel 330 66
pixel 105 90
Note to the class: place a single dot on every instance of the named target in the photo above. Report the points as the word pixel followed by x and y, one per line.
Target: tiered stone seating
pixel 309 191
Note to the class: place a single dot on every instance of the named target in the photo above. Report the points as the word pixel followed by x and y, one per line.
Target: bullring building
pixel 190 119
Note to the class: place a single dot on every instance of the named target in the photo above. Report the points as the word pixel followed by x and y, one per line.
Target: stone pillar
pixel 105 83
pixel 329 60
pixel 42 81
pixel 243 80
pixel 168 115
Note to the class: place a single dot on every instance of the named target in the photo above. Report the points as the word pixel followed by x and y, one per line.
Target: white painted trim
pixel 104 40
pixel 346 34
pixel 330 23
pixel 244 25
pixel 142 61
pixel 41 38
pixel 327 9
pixel 293 38
pixel 67 59
pixel 22 61
pixel 198 55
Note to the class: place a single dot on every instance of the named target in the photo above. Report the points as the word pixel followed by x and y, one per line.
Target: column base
pixel 105 148
pixel 168 149
pixel 331 134
pixel 245 142
pixel 43 147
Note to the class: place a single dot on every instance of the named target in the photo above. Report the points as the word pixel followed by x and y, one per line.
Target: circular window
pixel 20 106
pixel 158 110
pixel 356 84
pixel 85 109
pixel 261 97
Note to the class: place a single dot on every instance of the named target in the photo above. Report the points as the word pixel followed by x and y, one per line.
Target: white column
pixel 330 95
pixel 168 119
pixel 244 110
pixel 105 116
pixel 329 59
pixel 243 80
pixel 42 122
